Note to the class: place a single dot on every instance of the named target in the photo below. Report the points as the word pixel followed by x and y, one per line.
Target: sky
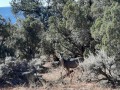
pixel 4 3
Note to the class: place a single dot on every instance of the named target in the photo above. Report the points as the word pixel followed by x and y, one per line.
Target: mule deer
pixel 71 63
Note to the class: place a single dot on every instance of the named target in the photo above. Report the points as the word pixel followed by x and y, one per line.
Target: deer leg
pixel 61 73
pixel 68 72
pixel 81 69
pixel 71 78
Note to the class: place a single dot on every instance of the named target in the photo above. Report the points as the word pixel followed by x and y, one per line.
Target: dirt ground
pixel 55 82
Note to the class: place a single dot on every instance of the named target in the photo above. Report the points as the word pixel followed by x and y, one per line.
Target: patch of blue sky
pixel 5 3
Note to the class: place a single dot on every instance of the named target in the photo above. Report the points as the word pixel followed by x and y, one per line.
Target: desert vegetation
pixel 88 29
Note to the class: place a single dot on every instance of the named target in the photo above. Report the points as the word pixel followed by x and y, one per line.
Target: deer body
pixel 70 63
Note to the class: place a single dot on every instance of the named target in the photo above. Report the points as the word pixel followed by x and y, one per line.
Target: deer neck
pixel 62 60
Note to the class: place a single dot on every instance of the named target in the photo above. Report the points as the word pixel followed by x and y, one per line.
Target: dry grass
pixel 80 86
pixel 54 76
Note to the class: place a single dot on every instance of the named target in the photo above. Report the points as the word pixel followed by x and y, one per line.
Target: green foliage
pixel 30 42
pixel 6 48
pixel 27 6
pixel 74 28
pixel 106 29
pixel 99 6
pixel 33 8
pixel 48 47
pixel 68 23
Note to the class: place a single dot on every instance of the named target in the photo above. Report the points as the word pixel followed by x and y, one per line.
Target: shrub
pixel 101 67
pixel 18 72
